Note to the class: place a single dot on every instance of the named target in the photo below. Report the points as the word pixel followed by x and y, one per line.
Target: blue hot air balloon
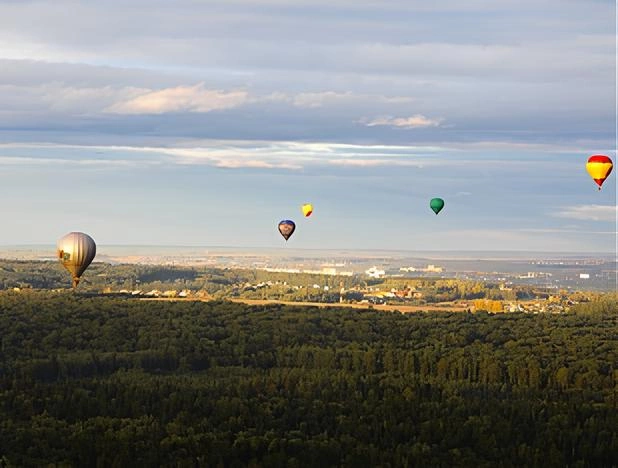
pixel 286 228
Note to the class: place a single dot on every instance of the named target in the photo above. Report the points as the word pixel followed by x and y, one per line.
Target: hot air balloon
pixel 599 167
pixel 436 204
pixel 75 251
pixel 286 228
pixel 307 209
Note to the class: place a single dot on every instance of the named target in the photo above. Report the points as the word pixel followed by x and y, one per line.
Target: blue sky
pixel 205 123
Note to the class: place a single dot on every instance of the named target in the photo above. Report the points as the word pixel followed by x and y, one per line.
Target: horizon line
pixel 330 249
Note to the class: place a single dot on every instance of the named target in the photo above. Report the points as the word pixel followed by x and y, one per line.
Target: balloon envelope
pixel 436 204
pixel 307 209
pixel 76 251
pixel 286 228
pixel 599 167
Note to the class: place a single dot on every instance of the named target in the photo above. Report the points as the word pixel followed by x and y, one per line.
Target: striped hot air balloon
pixel 76 251
pixel 599 167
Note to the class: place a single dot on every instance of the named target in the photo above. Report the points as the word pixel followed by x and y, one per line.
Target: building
pixel 373 272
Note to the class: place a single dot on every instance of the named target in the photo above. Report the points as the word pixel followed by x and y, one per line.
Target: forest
pixel 102 381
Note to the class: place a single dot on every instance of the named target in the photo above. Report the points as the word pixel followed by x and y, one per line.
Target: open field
pixel 442 306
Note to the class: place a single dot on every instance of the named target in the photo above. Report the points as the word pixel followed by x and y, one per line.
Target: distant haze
pixel 171 252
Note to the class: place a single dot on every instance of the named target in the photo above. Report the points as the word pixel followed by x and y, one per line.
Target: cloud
pixel 300 155
pixel 577 147
pixel 415 121
pixel 229 158
pixel 319 104
pixel 312 100
pixel 589 212
pixel 564 231
pixel 315 100
pixel 58 98
pixel 236 33
pixel 375 162
pixel 265 154
pixel 180 99
pixel 31 161
pixel 230 154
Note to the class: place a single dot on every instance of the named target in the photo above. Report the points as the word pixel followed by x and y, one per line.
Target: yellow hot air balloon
pixel 76 251
pixel 307 209
pixel 599 167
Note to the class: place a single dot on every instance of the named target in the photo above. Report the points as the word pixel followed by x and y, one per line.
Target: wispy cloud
pixel 180 99
pixel 312 100
pixel 265 154
pixel 358 162
pixel 415 121
pixel 315 100
pixel 34 161
pixel 229 158
pixel 589 212
pixel 564 231
pixel 58 98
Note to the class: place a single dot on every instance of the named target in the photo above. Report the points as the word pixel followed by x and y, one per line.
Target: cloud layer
pixel 589 213
pixel 339 72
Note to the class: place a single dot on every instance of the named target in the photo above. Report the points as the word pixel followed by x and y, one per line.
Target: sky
pixel 207 122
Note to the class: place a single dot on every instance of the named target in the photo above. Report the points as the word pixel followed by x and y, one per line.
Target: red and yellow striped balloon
pixel 599 167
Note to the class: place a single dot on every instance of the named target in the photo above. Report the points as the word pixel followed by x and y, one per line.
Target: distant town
pixel 495 282
pixel 569 271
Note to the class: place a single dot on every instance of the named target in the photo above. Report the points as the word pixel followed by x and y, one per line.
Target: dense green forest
pixel 93 381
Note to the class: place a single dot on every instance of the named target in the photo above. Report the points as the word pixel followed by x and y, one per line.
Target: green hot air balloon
pixel 436 204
